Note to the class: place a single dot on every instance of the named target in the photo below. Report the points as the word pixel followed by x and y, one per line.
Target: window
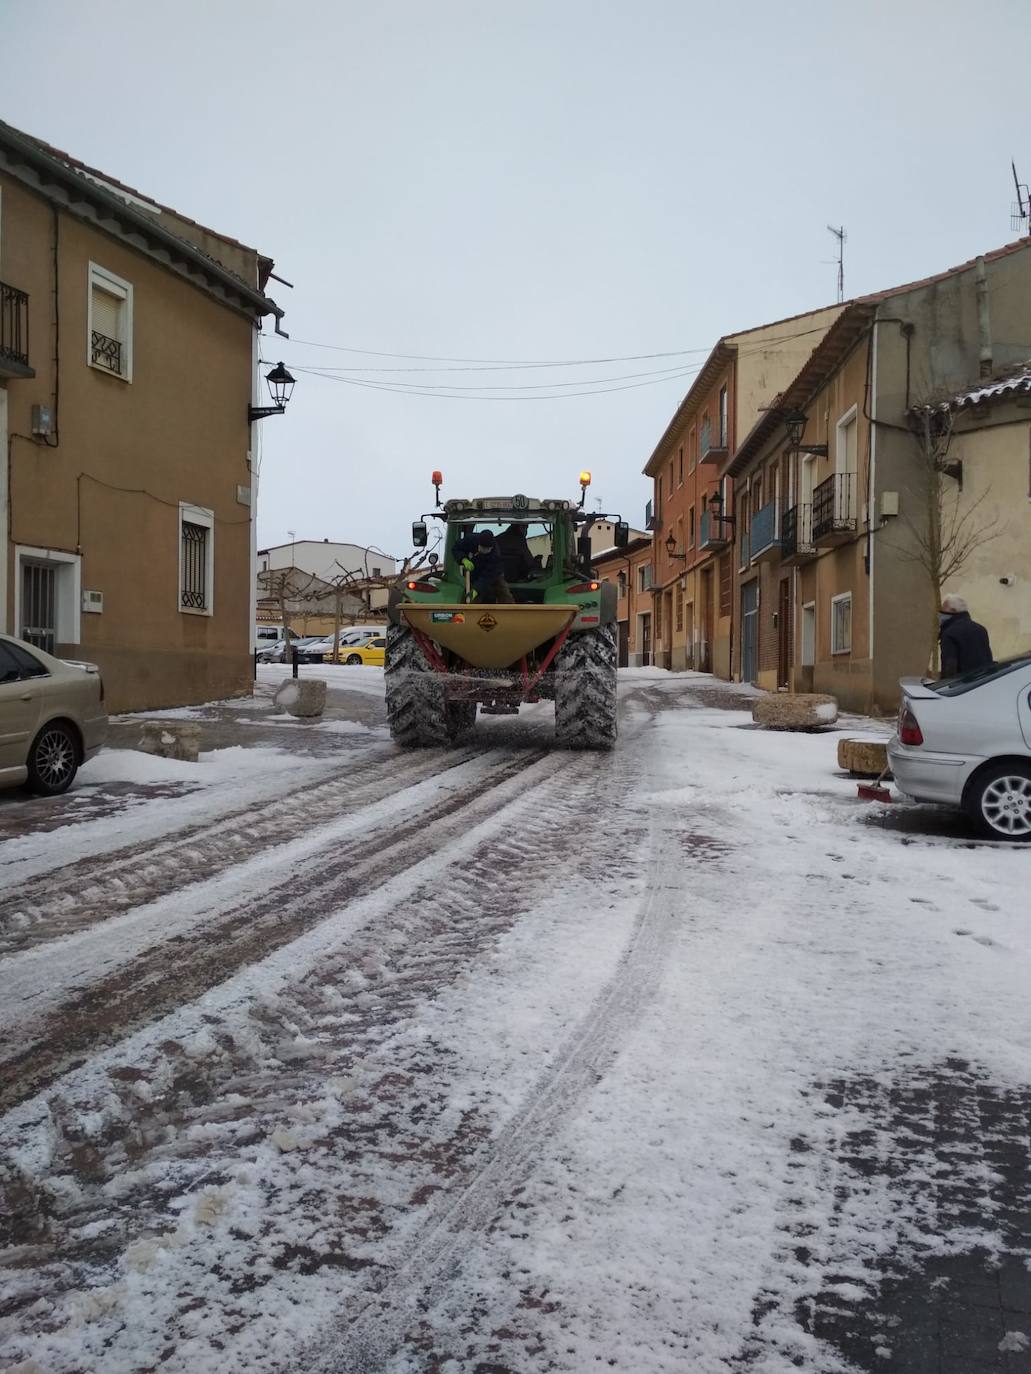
pixel 109 324
pixel 680 613
pixel 841 624
pixel 47 597
pixel 644 577
pixel 17 664
pixel 692 450
pixel 196 559
pixel 690 528
pixel 658 498
pixel 726 584
pixel 376 572
pixel 723 417
pixel 809 635
pixel 621 584
pixel 680 466
pixel 671 477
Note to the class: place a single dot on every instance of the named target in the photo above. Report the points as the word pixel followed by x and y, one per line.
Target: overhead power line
pixel 397 389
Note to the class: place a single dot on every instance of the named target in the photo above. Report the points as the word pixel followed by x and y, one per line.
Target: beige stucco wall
pixel 996 498
pixel 177 432
pixel 769 357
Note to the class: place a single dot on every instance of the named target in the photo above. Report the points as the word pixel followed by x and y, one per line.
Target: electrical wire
pixel 396 390
pixel 662 373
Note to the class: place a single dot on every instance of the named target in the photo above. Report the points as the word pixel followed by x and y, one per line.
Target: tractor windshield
pixel 526 546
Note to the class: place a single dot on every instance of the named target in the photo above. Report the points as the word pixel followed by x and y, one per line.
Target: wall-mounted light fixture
pixel 715 509
pixel 795 422
pixel 281 386
pixel 671 548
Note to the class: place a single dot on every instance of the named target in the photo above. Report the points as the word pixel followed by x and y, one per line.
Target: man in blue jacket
pixel 478 554
pixel 964 643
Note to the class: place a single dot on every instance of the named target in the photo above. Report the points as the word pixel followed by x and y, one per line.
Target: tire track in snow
pixel 380 1326
pixel 112 1007
pixel 94 890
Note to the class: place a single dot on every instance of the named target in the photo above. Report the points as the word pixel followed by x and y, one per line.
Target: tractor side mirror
pixel 433 559
pixel 420 534
pixel 583 548
pixel 622 536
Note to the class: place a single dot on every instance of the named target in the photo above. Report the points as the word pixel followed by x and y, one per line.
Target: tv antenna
pixel 1020 210
pixel 841 236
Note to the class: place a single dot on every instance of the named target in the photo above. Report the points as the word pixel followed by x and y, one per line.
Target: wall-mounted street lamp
pixel 281 386
pixel 671 548
pixel 795 422
pixel 715 509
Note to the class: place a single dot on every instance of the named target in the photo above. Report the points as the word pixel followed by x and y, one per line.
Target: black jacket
pixel 487 564
pixel 964 645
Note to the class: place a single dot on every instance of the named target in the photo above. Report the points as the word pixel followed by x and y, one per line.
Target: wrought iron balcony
pixel 796 534
pixel 14 332
pixel 106 352
pixel 834 510
pixel 764 542
pixel 712 534
pixel 712 444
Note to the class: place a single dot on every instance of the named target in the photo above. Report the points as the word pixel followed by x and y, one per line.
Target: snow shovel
pixel 873 791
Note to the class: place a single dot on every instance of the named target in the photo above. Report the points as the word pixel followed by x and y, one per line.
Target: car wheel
pixel 353 658
pixel 53 760
pixel 999 802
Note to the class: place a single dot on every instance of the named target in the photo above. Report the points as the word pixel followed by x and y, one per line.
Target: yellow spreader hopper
pixel 489 636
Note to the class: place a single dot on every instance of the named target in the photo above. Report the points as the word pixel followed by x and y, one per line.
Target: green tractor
pixel 449 652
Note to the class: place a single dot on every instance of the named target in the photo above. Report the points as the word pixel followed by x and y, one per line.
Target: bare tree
pixel 944 530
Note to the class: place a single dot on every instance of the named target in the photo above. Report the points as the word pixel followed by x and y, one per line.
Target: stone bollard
pixel 170 739
pixel 304 697
pixel 794 711
pixel 863 758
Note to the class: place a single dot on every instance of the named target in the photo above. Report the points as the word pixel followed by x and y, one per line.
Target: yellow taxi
pixel 370 653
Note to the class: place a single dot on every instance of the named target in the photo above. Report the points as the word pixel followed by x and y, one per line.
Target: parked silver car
pixel 966 742
pixel 52 717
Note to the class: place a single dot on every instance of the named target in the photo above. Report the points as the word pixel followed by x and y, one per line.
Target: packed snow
pixel 560 1062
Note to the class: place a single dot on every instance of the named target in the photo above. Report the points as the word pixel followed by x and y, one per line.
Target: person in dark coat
pixel 478 553
pixel 964 643
pixel 515 554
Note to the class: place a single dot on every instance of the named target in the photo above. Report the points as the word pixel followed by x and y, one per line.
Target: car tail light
pixel 421 587
pixel 909 728
pixel 582 588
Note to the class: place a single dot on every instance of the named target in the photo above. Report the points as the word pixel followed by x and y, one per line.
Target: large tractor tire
pixel 418 713
pixel 585 690
pixel 416 709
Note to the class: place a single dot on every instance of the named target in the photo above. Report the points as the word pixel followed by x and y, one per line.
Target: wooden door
pixel 784 633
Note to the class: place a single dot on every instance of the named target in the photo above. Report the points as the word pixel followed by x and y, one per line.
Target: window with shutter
pixel 109 343
pixel 196 558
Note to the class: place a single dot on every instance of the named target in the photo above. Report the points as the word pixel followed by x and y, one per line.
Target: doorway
pixel 784 633
pixel 624 643
pixel 750 631
pixel 705 657
pixel 645 625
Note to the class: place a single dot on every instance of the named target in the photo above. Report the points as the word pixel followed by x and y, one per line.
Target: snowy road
pixel 506 1060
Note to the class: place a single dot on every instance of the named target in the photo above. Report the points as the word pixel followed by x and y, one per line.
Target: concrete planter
pixel 170 739
pixel 302 697
pixel 863 758
pixel 801 711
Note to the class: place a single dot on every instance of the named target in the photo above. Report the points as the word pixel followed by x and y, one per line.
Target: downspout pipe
pixel 984 321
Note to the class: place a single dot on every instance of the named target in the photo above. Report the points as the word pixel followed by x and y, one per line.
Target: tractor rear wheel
pixel 417 711
pixel 585 690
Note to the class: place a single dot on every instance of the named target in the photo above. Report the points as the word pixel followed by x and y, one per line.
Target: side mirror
pixel 420 534
pixel 433 559
pixel 622 535
pixel 583 548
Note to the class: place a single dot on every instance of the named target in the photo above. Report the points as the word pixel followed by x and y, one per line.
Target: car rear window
pixel 977 677
pixel 28 664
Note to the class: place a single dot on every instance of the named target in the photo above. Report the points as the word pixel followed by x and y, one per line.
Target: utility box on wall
pixel 93 602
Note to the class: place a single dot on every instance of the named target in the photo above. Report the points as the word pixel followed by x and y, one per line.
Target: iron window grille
pixel 194 591
pixel 14 325
pixel 106 352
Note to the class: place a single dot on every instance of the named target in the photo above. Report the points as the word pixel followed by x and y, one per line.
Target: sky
pixel 548 181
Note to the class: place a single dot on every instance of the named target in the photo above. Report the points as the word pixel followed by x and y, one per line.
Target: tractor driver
pixel 478 554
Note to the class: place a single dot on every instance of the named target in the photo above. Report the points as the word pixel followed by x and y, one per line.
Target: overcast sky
pixel 535 180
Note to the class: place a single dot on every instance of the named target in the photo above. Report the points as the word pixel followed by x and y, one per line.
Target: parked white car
pixel 966 742
pixel 52 717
